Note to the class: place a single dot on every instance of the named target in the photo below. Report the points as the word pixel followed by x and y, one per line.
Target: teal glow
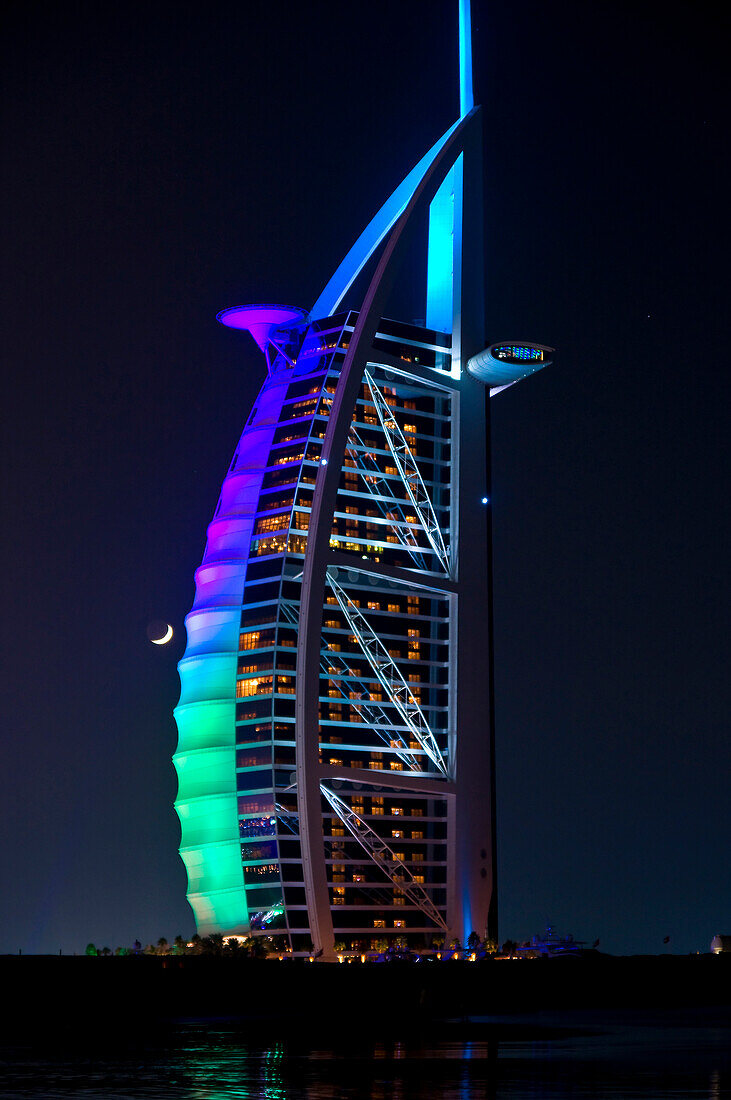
pixel 466 93
pixel 440 258
pixel 205 761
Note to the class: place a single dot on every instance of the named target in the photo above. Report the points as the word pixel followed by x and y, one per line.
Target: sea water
pixel 556 1056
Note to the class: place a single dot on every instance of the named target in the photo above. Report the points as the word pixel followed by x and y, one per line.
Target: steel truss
pixel 379 486
pixel 405 462
pixel 287 817
pixel 394 868
pixel 376 717
pixel 389 675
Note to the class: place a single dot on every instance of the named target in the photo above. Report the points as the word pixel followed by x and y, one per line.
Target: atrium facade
pixel 335 755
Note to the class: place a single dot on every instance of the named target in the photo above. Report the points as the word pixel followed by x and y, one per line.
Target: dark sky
pixel 164 161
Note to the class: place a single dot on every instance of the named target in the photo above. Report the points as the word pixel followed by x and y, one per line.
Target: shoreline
pixel 481 998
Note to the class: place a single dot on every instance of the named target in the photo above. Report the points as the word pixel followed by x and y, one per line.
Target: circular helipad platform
pixel 262 320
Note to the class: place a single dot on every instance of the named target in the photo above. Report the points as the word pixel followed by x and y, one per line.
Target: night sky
pixel 165 161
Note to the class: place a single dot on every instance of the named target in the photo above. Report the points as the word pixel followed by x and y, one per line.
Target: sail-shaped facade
pixel 335 756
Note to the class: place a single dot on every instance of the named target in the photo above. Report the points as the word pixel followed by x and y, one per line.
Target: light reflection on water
pixel 204 1062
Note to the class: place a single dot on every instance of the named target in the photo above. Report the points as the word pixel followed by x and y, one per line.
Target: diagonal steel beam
pixel 389 675
pixel 379 486
pixel 405 462
pixel 394 868
pixel 376 716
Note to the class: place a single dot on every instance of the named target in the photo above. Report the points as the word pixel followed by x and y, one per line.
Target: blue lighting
pixel 466 95
pixel 440 257
pixel 323 462
pixel 374 232
pixel 485 500
pixel 514 352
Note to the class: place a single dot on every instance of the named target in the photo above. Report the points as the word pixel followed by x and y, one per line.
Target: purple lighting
pixel 262 321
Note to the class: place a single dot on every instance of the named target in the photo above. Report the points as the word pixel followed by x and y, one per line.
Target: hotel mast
pixel 336 745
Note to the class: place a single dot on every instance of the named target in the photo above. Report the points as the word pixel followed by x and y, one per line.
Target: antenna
pixel 466 93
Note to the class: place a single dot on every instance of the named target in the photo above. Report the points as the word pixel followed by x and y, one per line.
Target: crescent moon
pixel 165 638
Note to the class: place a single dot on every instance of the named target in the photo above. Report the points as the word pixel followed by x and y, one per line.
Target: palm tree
pixel 162 946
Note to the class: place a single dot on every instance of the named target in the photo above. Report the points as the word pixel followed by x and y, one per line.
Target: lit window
pixel 271 523
pixel 396 811
pixel 399 924
pixel 262 685
pixel 397 832
pixel 417 834
pixel 285 685
pixel 379 924
pixel 396 766
pixel 393 608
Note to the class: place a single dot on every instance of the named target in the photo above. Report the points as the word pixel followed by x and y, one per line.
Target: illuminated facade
pixel 335 756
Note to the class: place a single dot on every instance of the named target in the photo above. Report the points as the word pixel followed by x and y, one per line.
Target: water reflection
pixel 227 1070
pixel 228 1062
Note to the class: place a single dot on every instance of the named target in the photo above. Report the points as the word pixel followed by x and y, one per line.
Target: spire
pixel 445 214
pixel 466 93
